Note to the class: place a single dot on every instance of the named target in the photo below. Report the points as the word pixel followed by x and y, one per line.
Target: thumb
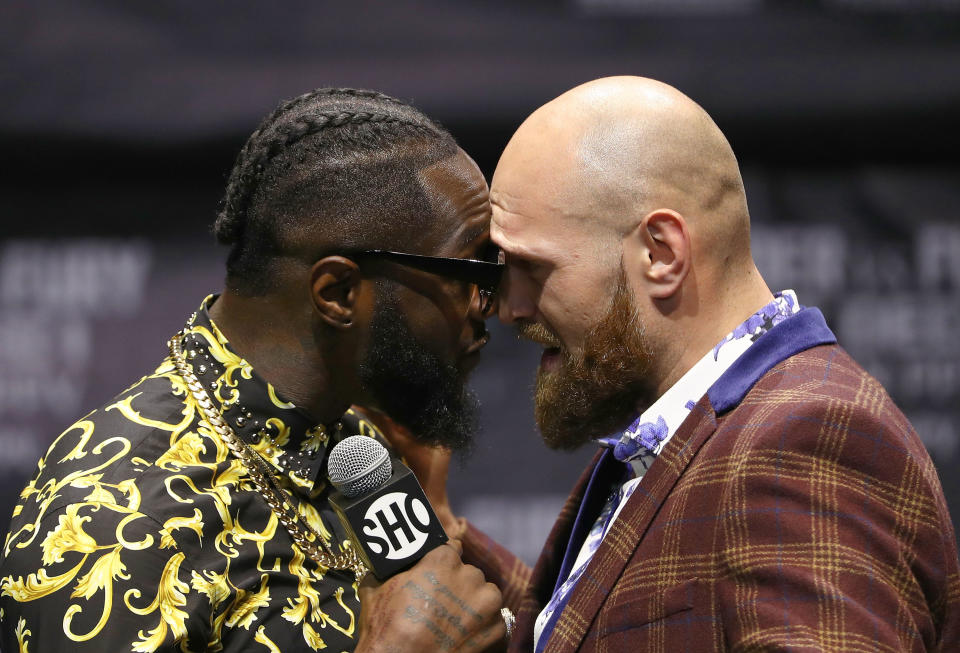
pixel 457 545
pixel 367 586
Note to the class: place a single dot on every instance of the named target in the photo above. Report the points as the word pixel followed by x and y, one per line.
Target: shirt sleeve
pixel 500 567
pixel 105 578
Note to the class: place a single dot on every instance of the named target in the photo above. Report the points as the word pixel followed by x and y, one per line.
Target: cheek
pixel 572 309
pixel 438 325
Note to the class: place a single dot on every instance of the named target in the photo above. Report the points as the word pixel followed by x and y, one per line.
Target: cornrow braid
pixel 290 105
pixel 313 134
pixel 251 166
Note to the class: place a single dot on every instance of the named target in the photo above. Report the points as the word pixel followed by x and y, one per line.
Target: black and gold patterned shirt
pixel 141 532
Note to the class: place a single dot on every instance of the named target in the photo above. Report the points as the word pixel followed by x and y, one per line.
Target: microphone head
pixel 358 464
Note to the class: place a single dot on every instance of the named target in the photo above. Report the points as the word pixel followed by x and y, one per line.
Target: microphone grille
pixel 358 464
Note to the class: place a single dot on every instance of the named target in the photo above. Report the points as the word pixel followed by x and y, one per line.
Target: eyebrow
pixel 511 248
pixel 523 254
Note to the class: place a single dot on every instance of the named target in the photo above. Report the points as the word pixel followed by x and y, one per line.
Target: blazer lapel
pixel 547 568
pixel 628 529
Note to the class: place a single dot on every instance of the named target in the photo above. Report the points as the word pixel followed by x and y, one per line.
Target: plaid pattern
pixel 500 567
pixel 807 518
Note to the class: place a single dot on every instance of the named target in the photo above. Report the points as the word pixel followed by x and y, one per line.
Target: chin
pixel 466 365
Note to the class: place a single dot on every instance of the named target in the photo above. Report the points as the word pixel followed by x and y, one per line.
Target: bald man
pixel 755 488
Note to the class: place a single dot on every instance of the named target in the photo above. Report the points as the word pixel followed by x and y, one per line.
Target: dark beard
pixel 413 386
pixel 599 391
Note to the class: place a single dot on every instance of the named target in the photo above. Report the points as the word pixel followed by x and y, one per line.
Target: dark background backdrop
pixel 119 122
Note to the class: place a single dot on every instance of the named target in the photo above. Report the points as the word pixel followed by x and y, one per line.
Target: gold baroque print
pixel 141 531
pixel 300 530
pixel 22 634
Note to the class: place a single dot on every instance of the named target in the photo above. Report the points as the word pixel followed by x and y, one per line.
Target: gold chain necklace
pixel 260 473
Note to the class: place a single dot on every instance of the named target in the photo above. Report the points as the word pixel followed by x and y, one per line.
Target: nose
pixel 514 298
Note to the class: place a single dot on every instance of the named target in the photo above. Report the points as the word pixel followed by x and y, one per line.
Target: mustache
pixel 538 333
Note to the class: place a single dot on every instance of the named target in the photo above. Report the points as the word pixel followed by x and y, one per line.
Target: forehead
pixel 532 186
pixel 540 228
pixel 528 231
pixel 527 218
pixel 459 196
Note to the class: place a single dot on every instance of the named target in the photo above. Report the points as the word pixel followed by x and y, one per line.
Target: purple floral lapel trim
pixel 646 436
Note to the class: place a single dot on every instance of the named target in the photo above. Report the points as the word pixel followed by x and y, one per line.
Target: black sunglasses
pixel 484 274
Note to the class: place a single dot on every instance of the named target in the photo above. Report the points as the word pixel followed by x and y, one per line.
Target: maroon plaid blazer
pixel 803 514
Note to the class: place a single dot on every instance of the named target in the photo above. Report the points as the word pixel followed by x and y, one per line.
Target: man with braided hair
pixel 191 512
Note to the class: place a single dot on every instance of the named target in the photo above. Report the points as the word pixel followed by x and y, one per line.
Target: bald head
pixel 619 206
pixel 608 152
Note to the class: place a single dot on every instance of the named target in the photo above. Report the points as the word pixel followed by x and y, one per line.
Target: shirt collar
pixel 646 436
pixel 284 435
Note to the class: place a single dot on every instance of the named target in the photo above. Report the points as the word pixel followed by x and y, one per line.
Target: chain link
pixel 262 476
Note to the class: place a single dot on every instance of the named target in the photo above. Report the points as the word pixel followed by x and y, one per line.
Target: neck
pixel 268 333
pixel 699 330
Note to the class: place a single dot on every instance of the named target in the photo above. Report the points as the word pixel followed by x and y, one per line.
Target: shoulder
pixel 822 395
pixel 818 464
pixel 819 433
pixel 114 457
pixel 822 407
pixel 93 558
pixel 149 404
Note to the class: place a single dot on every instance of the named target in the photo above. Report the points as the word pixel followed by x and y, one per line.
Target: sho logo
pixel 396 525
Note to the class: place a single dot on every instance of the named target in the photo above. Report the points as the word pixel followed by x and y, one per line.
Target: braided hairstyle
pixel 333 168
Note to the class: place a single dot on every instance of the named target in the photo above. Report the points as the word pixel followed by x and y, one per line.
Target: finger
pixel 489 598
pixel 456 545
pixel 370 582
pixel 445 559
pixel 474 576
pixel 492 637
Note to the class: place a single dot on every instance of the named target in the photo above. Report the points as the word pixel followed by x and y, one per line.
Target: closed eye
pixel 534 268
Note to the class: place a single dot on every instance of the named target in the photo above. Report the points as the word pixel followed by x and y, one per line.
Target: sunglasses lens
pixel 486 300
pixel 491 254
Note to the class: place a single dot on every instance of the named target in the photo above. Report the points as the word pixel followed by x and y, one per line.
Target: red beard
pixel 598 391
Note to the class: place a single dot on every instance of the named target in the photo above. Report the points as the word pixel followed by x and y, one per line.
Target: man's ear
pixel 334 288
pixel 667 242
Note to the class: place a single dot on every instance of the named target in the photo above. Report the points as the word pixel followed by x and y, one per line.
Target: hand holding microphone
pixel 429 599
pixel 379 500
pixel 429 463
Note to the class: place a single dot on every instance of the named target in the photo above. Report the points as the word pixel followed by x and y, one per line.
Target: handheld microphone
pixel 382 506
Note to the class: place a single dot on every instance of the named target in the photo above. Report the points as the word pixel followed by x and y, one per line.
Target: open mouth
pixel 550 359
pixel 552 349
